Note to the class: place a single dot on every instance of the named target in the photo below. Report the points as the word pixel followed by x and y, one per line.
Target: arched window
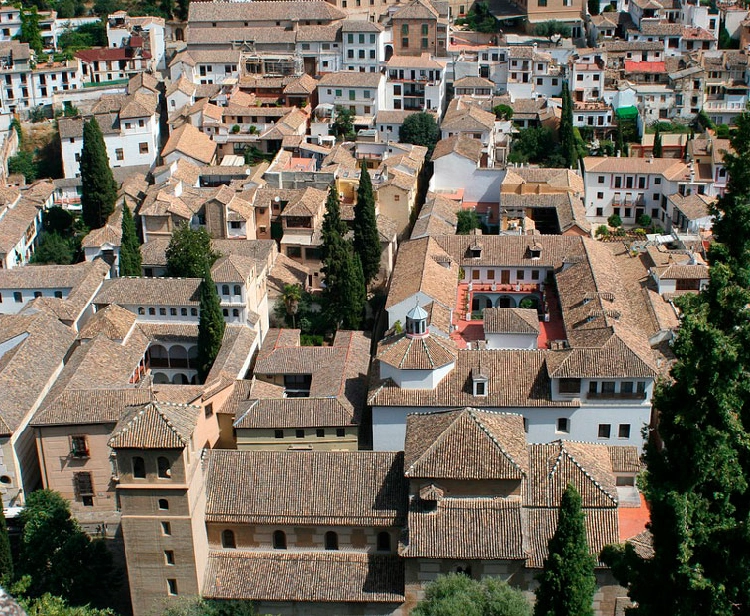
pixel 139 467
pixel 225 289
pixel 152 311
pixel 163 504
pixel 227 539
pixel 193 312
pixel 279 540
pixel 332 540
pixel 384 542
pixel 165 472
pixel 235 313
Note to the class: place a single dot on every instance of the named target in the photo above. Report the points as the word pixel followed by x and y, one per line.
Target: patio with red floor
pixel 468 331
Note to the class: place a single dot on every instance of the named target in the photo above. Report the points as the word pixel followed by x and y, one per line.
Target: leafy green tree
pixel 6 558
pixel 50 605
pixel 83 37
pixel 352 293
pixel 99 188
pixel 291 297
pixel 188 251
pixel 459 595
pixel 59 557
pixel 57 220
pixel 614 221
pixel 211 325
pixel 552 28
pixel 130 248
pixel 593 7
pixel 644 220
pixel 53 249
pixel 567 584
pixel 503 112
pixel 536 144
pixel 196 606
pixel 568 146
pixel 30 32
pixel 23 163
pixel 697 482
pixel 468 220
pixel 622 146
pixel 657 149
pixel 343 123
pixel 420 129
pixel 366 235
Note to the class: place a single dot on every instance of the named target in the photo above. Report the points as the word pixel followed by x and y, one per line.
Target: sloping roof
pixel 462 144
pixel 150 292
pixel 36 345
pixel 188 140
pixel 511 321
pixel 155 425
pixel 418 353
pixel 114 322
pixel 243 487
pixel 95 406
pixel 351 79
pixel 417 270
pixel 489 445
pixel 301 10
pixel 467 529
pixel 322 577
pixel 417 9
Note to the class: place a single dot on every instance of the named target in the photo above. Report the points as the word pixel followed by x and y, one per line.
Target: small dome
pixel 417 313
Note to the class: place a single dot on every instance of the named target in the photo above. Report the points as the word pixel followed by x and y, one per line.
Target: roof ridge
pixel 580 467
pixel 486 430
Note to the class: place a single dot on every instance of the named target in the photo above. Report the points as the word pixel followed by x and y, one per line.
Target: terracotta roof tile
pixel 322 577
pixel 416 353
pixel 155 425
pixel 246 487
pixel 511 321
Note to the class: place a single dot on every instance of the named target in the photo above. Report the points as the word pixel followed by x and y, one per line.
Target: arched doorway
pixel 480 302
pixel 178 357
pixel 159 356
pixel 160 378
pixel 180 379
pixel 529 301
pixel 505 301
pixel 388 52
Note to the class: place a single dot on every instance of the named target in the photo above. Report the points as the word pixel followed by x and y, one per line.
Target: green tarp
pixel 627 113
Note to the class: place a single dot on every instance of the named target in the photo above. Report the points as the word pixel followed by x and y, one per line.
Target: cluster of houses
pixel 511 360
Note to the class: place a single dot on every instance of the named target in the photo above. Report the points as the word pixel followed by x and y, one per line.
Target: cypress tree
pixel 621 147
pixel 366 236
pixel 567 583
pixel 345 285
pixel 130 249
pixel 351 294
pixel 6 559
pixel 657 149
pixel 210 326
pixel 99 188
pixel 567 135
pixel 697 482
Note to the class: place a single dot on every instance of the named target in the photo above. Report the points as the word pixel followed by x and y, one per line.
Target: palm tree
pixel 291 297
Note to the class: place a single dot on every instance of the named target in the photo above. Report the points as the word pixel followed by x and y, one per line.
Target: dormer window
pixel 535 251
pixel 475 250
pixel 479 383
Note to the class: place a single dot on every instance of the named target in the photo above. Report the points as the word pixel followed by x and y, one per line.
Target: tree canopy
pixel 30 32
pixel 536 144
pixel 657 148
pixel 468 220
pixel 459 595
pixel 53 249
pixel 567 583
pixel 366 235
pixel 697 482
pixel 188 251
pixel 99 191
pixel 130 248
pixel 59 557
pixel 420 129
pixel 568 142
pixel 343 123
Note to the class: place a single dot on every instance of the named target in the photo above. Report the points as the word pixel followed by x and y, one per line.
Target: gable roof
pixel 155 425
pixel 489 445
pixel 417 353
pixel 511 321
pixel 460 144
pixel 243 487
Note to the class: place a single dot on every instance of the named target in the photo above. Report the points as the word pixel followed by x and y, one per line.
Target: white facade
pixel 415 86
pixel 135 144
pixel 363 50
pixel 364 98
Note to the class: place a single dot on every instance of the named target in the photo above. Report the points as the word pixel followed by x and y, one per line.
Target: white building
pixel 130 125
pixel 363 45
pixel 415 83
pixel 121 27
pixel 21 221
pixel 362 93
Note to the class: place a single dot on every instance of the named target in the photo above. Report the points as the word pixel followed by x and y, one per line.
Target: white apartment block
pixel 415 83
pixel 363 46
pixel 23 87
pixel 631 187
pixel 363 93
pixel 130 126
pixel 121 27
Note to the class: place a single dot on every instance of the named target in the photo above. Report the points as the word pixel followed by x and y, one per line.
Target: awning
pixel 627 113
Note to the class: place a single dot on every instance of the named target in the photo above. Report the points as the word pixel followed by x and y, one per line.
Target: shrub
pixel 602 231
pixel 614 221
pixel 644 220
pixel 235 129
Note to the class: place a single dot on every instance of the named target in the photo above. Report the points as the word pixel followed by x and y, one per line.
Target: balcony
pixel 618 395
